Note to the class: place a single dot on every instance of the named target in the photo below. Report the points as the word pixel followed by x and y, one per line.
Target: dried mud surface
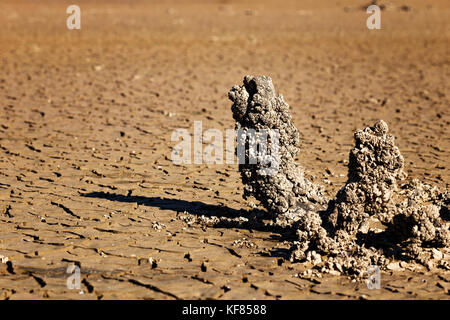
pixel 86 120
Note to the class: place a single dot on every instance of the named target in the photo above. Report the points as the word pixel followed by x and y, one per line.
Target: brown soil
pixel 87 117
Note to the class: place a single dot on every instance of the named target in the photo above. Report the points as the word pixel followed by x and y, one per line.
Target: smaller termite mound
pixel 374 169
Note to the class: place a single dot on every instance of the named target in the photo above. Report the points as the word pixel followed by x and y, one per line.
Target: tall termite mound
pixel 256 106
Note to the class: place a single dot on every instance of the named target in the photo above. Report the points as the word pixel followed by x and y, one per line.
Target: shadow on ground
pixel 192 207
pixel 259 220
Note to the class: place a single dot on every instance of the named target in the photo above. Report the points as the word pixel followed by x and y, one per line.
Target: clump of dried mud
pixel 371 221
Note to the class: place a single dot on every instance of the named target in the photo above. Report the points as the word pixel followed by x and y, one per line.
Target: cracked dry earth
pixel 86 120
